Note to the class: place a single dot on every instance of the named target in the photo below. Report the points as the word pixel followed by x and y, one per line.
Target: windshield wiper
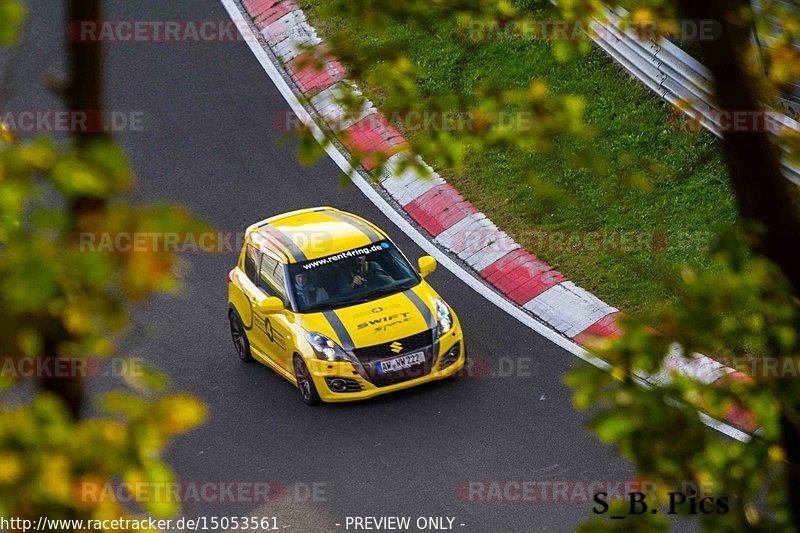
pixel 330 304
pixel 318 307
pixel 387 290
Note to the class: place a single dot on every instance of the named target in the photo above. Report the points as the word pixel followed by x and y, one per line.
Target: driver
pixel 307 293
pixel 368 273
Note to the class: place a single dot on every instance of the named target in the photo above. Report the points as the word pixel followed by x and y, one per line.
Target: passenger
pixel 369 273
pixel 307 294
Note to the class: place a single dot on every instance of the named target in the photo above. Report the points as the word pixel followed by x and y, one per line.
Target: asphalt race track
pixel 209 142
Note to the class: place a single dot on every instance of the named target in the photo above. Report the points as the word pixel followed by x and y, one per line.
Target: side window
pixel 251 263
pixel 271 278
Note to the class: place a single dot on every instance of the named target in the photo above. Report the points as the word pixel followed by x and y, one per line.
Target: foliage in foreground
pixel 61 304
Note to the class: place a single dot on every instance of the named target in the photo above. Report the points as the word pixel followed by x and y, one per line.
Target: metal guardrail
pixel 790 95
pixel 675 77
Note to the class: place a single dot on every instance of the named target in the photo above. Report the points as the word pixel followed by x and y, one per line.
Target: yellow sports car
pixel 327 300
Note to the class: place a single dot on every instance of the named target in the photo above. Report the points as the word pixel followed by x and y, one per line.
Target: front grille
pixel 352 384
pixel 372 355
pixel 414 343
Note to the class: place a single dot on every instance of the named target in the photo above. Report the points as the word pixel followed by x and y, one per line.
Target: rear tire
pixel 239 336
pixel 308 391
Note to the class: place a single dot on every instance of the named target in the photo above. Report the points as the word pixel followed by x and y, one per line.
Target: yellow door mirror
pixel 270 305
pixel 427 264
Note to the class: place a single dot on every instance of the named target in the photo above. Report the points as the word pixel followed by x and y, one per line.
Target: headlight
pixel 443 317
pixel 325 348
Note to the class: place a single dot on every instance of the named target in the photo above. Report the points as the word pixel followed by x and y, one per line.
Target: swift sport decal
pixel 385 322
pixel 376 310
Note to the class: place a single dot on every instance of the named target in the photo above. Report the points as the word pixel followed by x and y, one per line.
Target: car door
pixel 275 330
pixel 251 262
pixel 244 286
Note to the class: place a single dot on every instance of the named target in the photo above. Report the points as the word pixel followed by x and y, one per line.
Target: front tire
pixel 239 336
pixel 308 391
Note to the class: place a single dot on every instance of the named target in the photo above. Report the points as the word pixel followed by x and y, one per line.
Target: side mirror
pixel 427 264
pixel 270 306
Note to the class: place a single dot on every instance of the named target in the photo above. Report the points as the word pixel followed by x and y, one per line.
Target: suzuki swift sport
pixel 327 300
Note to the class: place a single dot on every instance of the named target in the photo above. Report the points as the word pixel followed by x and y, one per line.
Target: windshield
pixel 350 277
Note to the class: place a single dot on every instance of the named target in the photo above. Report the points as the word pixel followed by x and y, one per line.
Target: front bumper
pixel 322 370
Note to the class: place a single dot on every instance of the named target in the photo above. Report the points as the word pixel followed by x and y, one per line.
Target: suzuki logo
pixel 396 347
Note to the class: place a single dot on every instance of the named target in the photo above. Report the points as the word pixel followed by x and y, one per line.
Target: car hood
pixel 378 321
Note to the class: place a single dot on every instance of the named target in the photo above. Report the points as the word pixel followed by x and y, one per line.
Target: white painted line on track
pixel 722 427
pixel 342 162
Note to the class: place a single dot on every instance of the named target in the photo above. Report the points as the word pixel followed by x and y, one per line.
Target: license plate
pixel 401 363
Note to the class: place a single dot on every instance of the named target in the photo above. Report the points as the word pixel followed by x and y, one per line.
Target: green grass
pixel 685 198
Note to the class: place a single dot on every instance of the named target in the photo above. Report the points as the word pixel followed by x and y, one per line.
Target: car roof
pixel 312 233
